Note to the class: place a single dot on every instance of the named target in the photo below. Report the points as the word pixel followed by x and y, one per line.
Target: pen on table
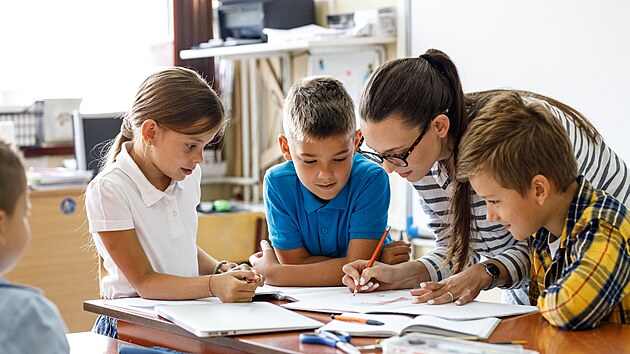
pixel 356 319
pixel 376 250
pixel 523 342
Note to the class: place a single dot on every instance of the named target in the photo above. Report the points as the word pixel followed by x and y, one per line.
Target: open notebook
pixel 212 319
pixel 398 325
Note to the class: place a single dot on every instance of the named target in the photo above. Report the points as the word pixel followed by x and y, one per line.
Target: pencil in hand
pixel 356 319
pixel 371 262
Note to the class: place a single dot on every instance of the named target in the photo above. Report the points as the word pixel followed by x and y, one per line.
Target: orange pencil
pixel 356 319
pixel 376 250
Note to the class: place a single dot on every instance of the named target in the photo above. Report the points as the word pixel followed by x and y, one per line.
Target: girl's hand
pixel 227 266
pixel 235 286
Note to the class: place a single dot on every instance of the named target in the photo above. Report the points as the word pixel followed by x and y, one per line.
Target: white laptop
pixel 210 320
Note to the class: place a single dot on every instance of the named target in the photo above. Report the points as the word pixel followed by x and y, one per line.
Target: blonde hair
pixel 511 139
pixel 12 177
pixel 177 99
pixel 318 107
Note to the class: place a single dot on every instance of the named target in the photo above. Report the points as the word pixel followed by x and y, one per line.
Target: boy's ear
pixel 149 129
pixel 3 221
pixel 442 125
pixel 284 147
pixel 357 140
pixel 541 188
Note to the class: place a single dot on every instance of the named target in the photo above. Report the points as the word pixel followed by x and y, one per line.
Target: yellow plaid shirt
pixel 588 281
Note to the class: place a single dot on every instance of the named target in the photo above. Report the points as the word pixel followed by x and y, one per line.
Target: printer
pixel 244 20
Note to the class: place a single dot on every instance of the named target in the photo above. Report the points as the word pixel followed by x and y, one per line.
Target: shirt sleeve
pixel 107 207
pixel 39 328
pixel 284 233
pixel 512 254
pixel 593 283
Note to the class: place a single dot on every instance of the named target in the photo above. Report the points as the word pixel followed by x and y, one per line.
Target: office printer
pixel 244 20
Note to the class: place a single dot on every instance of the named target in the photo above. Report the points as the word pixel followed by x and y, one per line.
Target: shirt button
pixel 324 230
pixel 174 214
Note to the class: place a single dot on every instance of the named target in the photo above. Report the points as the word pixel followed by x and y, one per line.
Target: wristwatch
pixel 493 271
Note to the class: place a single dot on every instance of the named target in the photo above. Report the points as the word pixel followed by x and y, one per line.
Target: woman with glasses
pixel 414 113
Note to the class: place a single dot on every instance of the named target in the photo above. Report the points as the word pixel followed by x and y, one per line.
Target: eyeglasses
pixel 396 159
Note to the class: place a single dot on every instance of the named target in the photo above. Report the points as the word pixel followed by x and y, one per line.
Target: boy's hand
pixel 379 276
pixel 396 252
pixel 235 286
pixel 264 262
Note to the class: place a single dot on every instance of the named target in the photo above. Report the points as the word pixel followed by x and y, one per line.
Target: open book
pixel 398 325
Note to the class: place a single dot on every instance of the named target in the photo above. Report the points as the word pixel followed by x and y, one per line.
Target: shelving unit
pixel 248 55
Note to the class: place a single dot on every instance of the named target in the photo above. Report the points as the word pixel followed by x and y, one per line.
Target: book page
pixel 401 302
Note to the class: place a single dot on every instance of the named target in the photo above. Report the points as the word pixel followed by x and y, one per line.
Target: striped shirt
pixel 588 280
pixel 596 161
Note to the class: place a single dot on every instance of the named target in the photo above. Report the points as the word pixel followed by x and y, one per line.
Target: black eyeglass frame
pixel 399 160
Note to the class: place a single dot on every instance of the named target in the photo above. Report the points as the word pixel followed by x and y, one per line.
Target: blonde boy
pixel 519 159
pixel 29 322
pixel 326 205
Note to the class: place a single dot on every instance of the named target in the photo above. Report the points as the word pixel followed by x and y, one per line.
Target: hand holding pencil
pixel 371 261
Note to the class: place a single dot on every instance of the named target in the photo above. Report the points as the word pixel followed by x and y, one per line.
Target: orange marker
pixel 356 319
pixel 376 250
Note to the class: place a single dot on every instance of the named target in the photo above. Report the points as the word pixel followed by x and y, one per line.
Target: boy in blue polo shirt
pixel 326 205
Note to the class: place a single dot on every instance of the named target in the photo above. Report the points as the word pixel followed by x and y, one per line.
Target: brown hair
pixel 12 178
pixel 318 107
pixel 417 89
pixel 177 99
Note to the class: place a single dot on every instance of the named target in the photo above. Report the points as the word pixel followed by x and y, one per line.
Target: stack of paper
pixel 394 325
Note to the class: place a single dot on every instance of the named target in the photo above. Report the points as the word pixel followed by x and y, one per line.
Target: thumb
pixel 265 246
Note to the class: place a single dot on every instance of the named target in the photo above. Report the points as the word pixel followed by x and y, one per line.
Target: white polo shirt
pixel 121 198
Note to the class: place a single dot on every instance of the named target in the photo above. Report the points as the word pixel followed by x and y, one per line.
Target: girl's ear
pixel 441 124
pixel 149 130
pixel 284 147
pixel 541 188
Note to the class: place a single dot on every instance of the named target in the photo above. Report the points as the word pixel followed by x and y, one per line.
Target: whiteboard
pixel 575 51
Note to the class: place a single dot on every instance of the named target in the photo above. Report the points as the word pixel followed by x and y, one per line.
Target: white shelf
pixel 270 49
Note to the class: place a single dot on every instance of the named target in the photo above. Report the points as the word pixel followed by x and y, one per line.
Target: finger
pixel 464 299
pixel 431 285
pixel 254 258
pixel 265 246
pixel 444 298
pixel 349 282
pixel 352 270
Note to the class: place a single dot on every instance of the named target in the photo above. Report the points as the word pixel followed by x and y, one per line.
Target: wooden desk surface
pixel 147 330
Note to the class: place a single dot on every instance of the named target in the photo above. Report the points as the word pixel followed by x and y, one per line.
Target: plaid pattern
pixel 588 281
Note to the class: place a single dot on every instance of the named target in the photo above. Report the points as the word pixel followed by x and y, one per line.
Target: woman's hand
pixel 236 285
pixel 379 276
pixel 460 288
pixel 396 252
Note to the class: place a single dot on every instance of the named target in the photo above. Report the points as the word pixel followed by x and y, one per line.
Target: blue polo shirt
pixel 297 218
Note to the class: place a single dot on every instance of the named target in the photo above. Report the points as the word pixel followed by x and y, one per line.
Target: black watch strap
pixel 493 271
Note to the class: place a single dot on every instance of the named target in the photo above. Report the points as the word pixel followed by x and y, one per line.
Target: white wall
pixel 575 51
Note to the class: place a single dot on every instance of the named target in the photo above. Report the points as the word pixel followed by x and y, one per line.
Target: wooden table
pixel 147 330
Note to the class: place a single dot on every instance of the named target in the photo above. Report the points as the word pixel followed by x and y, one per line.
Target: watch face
pixel 493 270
